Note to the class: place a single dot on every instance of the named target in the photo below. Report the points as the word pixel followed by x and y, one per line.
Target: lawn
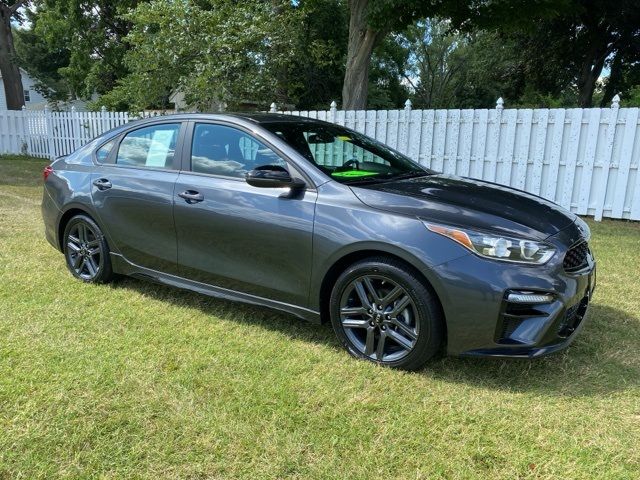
pixel 136 380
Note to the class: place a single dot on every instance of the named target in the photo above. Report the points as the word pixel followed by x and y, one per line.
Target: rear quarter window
pixel 102 154
pixel 84 155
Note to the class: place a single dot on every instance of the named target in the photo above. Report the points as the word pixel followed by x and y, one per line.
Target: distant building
pixel 180 104
pixel 177 98
pixel 32 99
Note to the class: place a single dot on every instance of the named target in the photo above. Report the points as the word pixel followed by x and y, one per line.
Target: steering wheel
pixel 353 162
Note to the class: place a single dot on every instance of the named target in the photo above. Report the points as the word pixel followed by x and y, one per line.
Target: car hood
pixel 464 202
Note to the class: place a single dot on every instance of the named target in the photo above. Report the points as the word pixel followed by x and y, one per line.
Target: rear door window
pixel 152 147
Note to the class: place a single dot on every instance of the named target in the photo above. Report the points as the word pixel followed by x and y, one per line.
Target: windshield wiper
pixel 389 177
pixel 412 174
pixel 364 181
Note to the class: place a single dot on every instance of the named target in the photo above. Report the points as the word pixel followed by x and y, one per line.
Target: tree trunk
pixel 589 74
pixel 10 72
pixel 362 39
pixel 592 64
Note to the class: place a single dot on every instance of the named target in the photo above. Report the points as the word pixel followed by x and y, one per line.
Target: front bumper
pixel 538 335
pixel 482 322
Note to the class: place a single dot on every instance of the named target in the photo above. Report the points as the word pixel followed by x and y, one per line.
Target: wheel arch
pixel 344 261
pixel 67 215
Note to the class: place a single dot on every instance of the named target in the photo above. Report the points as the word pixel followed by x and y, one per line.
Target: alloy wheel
pixel 84 251
pixel 379 318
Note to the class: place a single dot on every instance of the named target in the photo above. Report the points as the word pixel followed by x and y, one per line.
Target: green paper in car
pixel 354 173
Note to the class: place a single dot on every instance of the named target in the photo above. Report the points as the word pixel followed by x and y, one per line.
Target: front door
pixel 132 191
pixel 236 236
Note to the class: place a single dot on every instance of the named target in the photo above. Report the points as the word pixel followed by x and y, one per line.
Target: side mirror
pixel 272 176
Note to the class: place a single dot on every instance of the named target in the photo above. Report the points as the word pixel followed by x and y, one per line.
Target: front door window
pixel 229 152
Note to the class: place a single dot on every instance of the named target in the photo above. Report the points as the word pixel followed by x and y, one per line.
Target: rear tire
pixel 86 251
pixel 381 311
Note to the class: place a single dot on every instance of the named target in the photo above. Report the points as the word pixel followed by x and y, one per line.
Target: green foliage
pixel 440 61
pixel 563 52
pixel 449 69
pixel 43 62
pixel 215 52
pixel 313 74
pixel 555 61
pixel 92 33
pixel 529 52
pixel 632 99
pixel 387 88
pixel 441 53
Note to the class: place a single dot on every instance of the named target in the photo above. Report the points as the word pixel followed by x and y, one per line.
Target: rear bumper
pixel 50 216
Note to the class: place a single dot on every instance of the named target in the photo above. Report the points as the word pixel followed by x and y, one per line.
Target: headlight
pixel 497 247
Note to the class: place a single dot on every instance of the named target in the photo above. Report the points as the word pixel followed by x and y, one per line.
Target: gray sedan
pixel 327 224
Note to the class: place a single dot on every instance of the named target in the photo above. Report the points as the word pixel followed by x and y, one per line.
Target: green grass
pixel 135 380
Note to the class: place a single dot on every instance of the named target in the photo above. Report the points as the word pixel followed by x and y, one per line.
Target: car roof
pixel 257 118
pixel 273 118
pixel 246 118
pixel 253 117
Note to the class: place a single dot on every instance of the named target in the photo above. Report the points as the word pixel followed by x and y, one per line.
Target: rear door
pixel 132 191
pixel 236 236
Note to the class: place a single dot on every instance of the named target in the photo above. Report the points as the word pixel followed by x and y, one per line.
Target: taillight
pixel 48 170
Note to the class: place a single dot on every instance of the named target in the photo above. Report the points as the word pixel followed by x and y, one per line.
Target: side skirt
pixel 124 267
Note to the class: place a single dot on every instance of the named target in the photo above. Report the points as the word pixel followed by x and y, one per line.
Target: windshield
pixel 345 155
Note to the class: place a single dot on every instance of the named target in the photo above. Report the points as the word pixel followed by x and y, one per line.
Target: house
pixel 32 99
pixel 177 98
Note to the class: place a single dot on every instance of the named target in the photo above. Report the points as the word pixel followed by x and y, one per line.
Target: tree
pixel 93 33
pixel 565 49
pixel 315 72
pixel 446 68
pixel 371 21
pixel 216 52
pixel 11 77
pixel 585 39
pixel 440 60
pixel 624 78
pixel 42 61
pixel 605 32
pixel 362 40
pixel 388 88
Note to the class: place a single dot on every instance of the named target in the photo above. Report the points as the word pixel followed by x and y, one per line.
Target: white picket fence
pixel 587 160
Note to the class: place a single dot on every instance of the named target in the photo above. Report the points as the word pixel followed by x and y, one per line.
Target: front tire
pixel 86 251
pixel 382 312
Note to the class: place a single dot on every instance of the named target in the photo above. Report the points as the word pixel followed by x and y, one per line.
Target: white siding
pixel 27 84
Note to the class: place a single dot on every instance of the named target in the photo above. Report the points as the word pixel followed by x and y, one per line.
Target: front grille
pixel 576 257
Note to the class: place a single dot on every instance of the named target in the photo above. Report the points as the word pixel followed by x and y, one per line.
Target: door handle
pixel 191 196
pixel 102 183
